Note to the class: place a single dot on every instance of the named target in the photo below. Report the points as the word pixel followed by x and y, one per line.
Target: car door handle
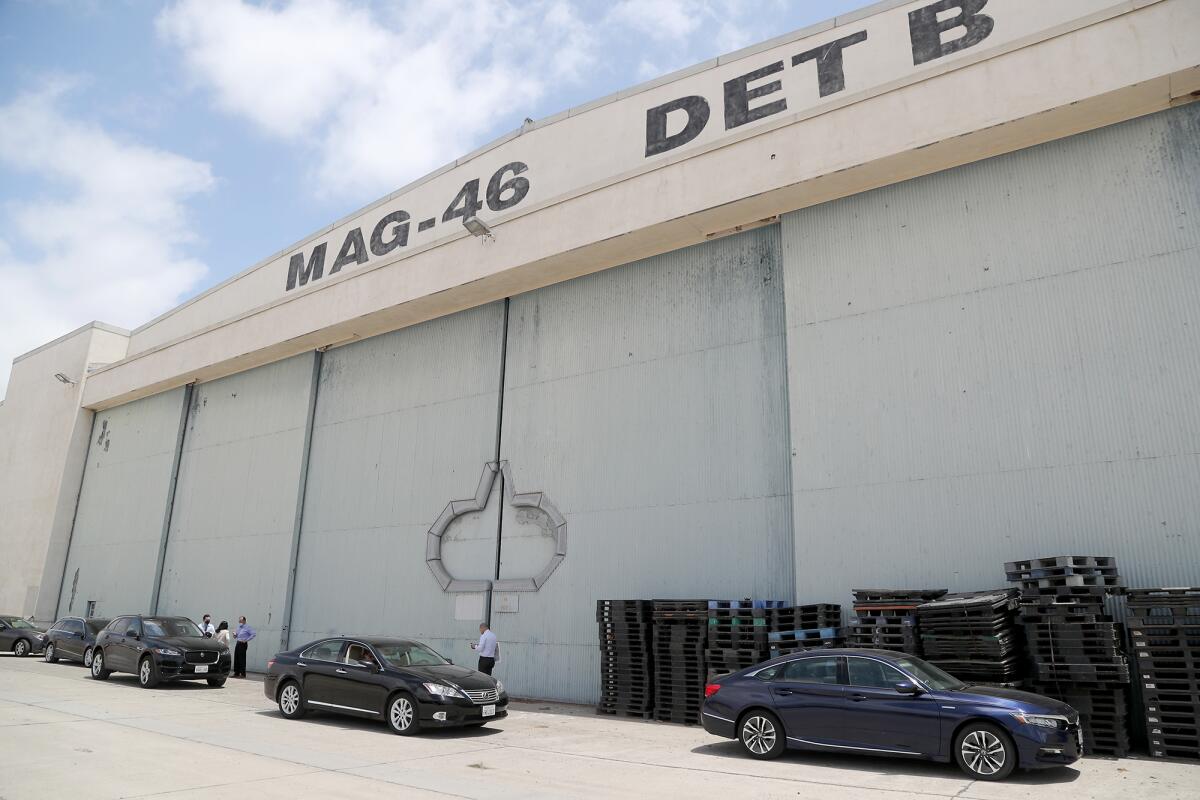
pixel 784 692
pixel 341 672
pixel 858 698
pixel 301 664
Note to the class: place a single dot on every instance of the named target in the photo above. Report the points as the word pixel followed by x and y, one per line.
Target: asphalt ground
pixel 62 733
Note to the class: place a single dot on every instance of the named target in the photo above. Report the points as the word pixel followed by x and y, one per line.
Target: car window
pixel 324 651
pixel 358 654
pixel 131 627
pixel 811 670
pixel 61 625
pixel 410 654
pixel 768 674
pixel 871 674
pixel 73 626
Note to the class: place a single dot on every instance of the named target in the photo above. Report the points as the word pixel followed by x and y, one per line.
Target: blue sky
pixel 148 150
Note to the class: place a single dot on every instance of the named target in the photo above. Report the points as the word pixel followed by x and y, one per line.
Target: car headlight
pixel 500 687
pixel 442 690
pixel 1040 720
pixel 166 651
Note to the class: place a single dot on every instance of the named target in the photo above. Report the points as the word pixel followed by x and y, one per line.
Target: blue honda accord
pixel 878 702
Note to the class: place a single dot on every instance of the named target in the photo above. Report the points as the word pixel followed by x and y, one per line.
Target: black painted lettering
pixel 831 78
pixel 465 203
pixel 353 251
pixel 298 274
pixel 925 30
pixel 738 97
pixel 657 140
pixel 497 187
pixel 399 233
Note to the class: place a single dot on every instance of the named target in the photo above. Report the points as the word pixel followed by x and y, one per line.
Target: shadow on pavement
pixel 857 763
pixel 358 723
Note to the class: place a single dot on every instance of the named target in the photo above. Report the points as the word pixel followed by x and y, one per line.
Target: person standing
pixel 244 635
pixel 206 627
pixel 488 649
pixel 223 633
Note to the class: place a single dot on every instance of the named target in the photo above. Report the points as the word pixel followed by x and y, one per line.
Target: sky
pixel 149 150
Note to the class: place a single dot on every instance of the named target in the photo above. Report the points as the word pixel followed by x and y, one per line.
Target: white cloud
pixel 380 97
pixel 110 246
pixel 661 19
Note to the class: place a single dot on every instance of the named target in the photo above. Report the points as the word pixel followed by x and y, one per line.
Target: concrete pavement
pixel 59 729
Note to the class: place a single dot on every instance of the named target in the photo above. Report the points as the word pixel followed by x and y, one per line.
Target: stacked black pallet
pixel 804 627
pixel 626 674
pixel 885 619
pixel 1074 646
pixel 975 636
pixel 737 633
pixel 1164 625
pixel 680 634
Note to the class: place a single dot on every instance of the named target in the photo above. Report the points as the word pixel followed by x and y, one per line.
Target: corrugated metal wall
pixel 649 403
pixel 122 505
pixel 404 424
pixel 235 501
pixel 1001 361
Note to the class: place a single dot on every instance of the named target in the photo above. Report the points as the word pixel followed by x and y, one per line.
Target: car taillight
pixel 711 689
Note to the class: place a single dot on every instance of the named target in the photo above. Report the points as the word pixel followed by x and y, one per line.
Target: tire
pixel 87 658
pixel 402 716
pixel 147 673
pixel 291 700
pixel 217 683
pixel 985 752
pixel 761 734
pixel 48 654
pixel 97 666
pixel 21 648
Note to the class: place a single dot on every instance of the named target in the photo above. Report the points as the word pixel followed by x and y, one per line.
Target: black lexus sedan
pixel 159 649
pixel 401 681
pixel 20 635
pixel 73 638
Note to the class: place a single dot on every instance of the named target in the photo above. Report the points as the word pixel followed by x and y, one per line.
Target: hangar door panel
pixel 235 501
pixel 648 402
pixel 405 423
pixel 122 506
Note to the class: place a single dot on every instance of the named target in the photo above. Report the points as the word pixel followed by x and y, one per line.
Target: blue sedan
pixel 877 702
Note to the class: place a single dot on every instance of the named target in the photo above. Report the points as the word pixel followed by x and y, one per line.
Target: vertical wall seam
pixel 156 592
pixel 62 578
pixel 499 434
pixel 285 629
pixel 794 579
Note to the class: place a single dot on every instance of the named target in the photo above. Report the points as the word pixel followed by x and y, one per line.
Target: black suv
pixel 159 649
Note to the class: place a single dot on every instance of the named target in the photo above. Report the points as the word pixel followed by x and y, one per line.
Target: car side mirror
pixel 450 661
pixel 904 687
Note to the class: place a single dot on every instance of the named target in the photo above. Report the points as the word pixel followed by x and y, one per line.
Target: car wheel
pixel 402 715
pixel 217 683
pixel 761 734
pixel 48 654
pixel 21 648
pixel 98 670
pixel 291 700
pixel 87 657
pixel 148 673
pixel 985 752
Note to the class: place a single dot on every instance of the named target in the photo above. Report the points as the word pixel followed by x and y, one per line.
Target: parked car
pixel 877 702
pixel 159 649
pixel 404 682
pixel 73 638
pixel 20 635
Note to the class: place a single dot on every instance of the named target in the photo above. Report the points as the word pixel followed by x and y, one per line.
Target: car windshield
pixel 17 622
pixel 170 627
pixel 410 654
pixel 930 675
pixel 97 625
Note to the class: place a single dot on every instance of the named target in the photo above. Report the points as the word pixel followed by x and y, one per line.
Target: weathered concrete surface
pixel 116 740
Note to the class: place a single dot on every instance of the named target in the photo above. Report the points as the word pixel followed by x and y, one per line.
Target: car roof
pixel 885 655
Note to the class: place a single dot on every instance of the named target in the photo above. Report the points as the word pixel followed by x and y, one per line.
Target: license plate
pixel 489 711
pixel 201 669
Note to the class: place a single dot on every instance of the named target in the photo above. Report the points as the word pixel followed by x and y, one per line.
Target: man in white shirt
pixel 207 628
pixel 488 649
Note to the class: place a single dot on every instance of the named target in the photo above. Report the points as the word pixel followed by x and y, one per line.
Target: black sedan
pixel 159 649
pixel 403 682
pixel 73 638
pixel 20 635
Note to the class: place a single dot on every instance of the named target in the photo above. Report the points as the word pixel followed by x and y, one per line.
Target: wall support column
pixel 156 591
pixel 285 629
pixel 500 473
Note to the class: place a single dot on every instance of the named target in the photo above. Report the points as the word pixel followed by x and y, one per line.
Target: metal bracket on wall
pixel 457 508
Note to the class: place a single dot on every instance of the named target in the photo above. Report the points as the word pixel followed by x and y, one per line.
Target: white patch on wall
pixel 469 606
pixel 506 602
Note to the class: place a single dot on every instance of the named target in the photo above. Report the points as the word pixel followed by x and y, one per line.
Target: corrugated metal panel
pixel 404 424
pixel 122 503
pixel 235 501
pixel 649 403
pixel 1001 361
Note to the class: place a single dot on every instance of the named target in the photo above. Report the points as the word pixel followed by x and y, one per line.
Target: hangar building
pixel 884 302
